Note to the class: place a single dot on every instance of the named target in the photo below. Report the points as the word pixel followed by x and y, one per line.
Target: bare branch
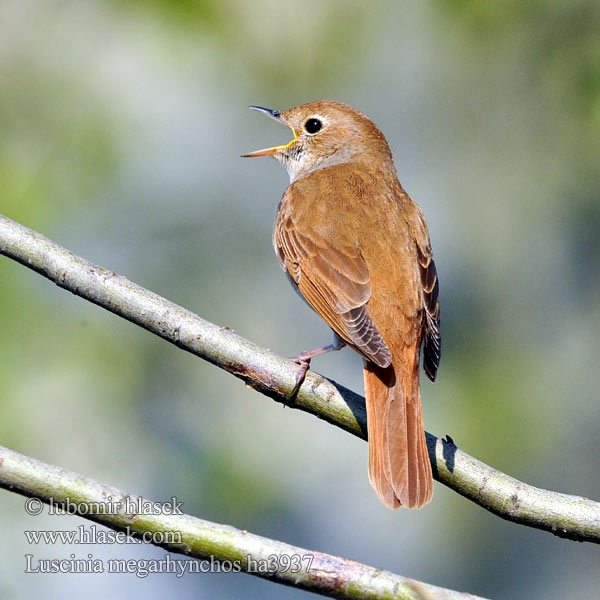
pixel 238 550
pixel 572 517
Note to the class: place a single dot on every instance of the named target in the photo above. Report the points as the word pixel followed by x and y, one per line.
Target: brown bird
pixel 357 248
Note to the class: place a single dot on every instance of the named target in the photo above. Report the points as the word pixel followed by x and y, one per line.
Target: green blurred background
pixel 121 126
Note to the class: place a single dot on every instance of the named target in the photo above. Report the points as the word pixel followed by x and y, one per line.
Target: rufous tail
pixel 399 467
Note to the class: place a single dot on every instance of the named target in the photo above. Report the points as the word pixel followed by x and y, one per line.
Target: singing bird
pixel 357 248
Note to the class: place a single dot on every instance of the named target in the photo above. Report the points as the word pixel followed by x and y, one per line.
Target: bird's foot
pixel 305 357
pixel 304 361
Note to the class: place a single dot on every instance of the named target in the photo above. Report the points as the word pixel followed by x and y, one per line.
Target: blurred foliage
pixel 545 58
pixel 292 50
pixel 120 128
pixel 58 148
pixel 559 51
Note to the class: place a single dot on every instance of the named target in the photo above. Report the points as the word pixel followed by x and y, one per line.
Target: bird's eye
pixel 313 126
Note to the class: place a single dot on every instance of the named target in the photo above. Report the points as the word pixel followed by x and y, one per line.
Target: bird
pixel 356 247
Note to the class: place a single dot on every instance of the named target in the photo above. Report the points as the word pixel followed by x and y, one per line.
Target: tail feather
pixel 399 467
pixel 379 467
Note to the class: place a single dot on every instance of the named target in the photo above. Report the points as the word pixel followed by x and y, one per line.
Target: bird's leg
pixel 305 357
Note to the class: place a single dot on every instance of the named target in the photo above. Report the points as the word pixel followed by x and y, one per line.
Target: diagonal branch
pixel 572 517
pixel 234 550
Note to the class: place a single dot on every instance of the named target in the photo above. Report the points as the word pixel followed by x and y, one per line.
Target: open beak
pixel 274 114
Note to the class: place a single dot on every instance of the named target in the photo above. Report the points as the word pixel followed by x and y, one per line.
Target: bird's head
pixel 325 134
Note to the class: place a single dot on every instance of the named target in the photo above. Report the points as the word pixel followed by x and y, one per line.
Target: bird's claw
pixel 304 363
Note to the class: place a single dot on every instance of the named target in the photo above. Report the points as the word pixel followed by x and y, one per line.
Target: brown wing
pixel 334 281
pixel 432 343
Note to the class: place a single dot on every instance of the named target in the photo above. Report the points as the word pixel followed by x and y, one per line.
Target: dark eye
pixel 313 126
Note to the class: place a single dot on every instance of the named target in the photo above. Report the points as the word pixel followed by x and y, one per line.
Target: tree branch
pixel 572 517
pixel 195 538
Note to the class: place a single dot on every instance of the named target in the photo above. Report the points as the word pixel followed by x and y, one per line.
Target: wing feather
pixel 432 345
pixel 335 282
